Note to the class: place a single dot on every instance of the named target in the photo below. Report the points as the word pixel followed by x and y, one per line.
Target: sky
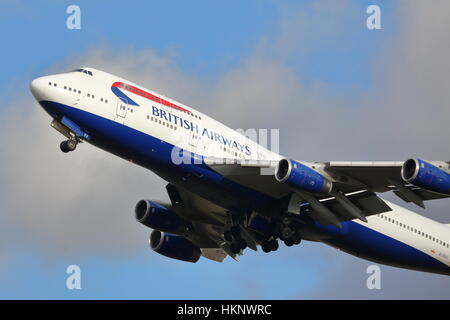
pixel 336 91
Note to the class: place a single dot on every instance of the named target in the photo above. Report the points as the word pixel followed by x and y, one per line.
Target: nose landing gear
pixel 71 131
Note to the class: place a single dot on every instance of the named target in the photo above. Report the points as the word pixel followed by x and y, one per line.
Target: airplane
pixel 228 193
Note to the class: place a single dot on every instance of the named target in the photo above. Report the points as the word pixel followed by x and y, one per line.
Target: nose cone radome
pixel 38 88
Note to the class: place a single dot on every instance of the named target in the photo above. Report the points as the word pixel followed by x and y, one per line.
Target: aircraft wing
pixel 381 177
pixel 353 196
pixel 347 177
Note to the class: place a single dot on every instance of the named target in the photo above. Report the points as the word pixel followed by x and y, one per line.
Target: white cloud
pixel 67 203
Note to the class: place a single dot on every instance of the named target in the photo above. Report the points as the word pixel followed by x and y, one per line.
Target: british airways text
pixel 203 132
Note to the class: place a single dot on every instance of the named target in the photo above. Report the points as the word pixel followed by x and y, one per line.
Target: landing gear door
pixel 121 110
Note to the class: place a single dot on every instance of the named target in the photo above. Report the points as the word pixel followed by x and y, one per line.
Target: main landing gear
pixel 270 245
pixel 286 230
pixel 68 145
pixel 237 243
pixel 285 227
pixel 288 233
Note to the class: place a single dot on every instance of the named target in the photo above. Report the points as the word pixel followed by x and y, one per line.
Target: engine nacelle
pixel 174 246
pixel 156 216
pixel 299 176
pixel 426 175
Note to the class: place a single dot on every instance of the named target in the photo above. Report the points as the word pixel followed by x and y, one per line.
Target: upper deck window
pixel 84 71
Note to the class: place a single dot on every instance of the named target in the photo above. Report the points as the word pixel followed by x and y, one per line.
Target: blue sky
pixel 205 39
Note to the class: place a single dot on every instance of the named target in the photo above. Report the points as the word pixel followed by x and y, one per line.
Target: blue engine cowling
pixel 174 246
pixel 426 175
pixel 299 176
pixel 156 216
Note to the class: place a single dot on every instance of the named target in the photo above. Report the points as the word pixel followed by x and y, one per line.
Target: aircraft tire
pixel 265 246
pixel 234 247
pixel 274 245
pixel 63 147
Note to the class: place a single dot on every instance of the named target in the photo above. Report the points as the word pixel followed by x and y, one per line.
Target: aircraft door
pixel 121 110
pixel 193 139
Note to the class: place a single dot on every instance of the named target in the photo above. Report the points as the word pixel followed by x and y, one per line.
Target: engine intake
pixel 156 216
pixel 426 175
pixel 299 176
pixel 174 246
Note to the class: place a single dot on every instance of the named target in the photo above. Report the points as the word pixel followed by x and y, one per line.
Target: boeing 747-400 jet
pixel 227 193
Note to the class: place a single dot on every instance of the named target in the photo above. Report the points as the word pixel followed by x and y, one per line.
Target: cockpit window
pixel 84 71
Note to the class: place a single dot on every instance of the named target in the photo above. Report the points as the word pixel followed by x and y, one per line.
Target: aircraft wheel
pixel 274 245
pixel 286 233
pixel 63 147
pixel 286 220
pixel 288 242
pixel 68 145
pixel 242 244
pixel 235 248
pixel 228 236
pixel 235 231
pixel 265 246
pixel 296 239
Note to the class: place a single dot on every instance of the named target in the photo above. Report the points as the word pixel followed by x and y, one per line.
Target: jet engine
pixel 156 216
pixel 174 246
pixel 426 175
pixel 300 176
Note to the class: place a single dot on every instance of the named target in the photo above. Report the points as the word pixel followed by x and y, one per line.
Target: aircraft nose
pixel 37 88
pixel 41 88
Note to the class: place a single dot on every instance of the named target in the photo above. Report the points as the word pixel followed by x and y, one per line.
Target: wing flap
pixel 367 201
pixel 256 174
pixel 373 176
pixel 422 193
pixel 215 254
pixel 379 176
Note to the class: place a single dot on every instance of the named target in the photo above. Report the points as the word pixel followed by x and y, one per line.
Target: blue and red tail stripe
pixel 117 88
